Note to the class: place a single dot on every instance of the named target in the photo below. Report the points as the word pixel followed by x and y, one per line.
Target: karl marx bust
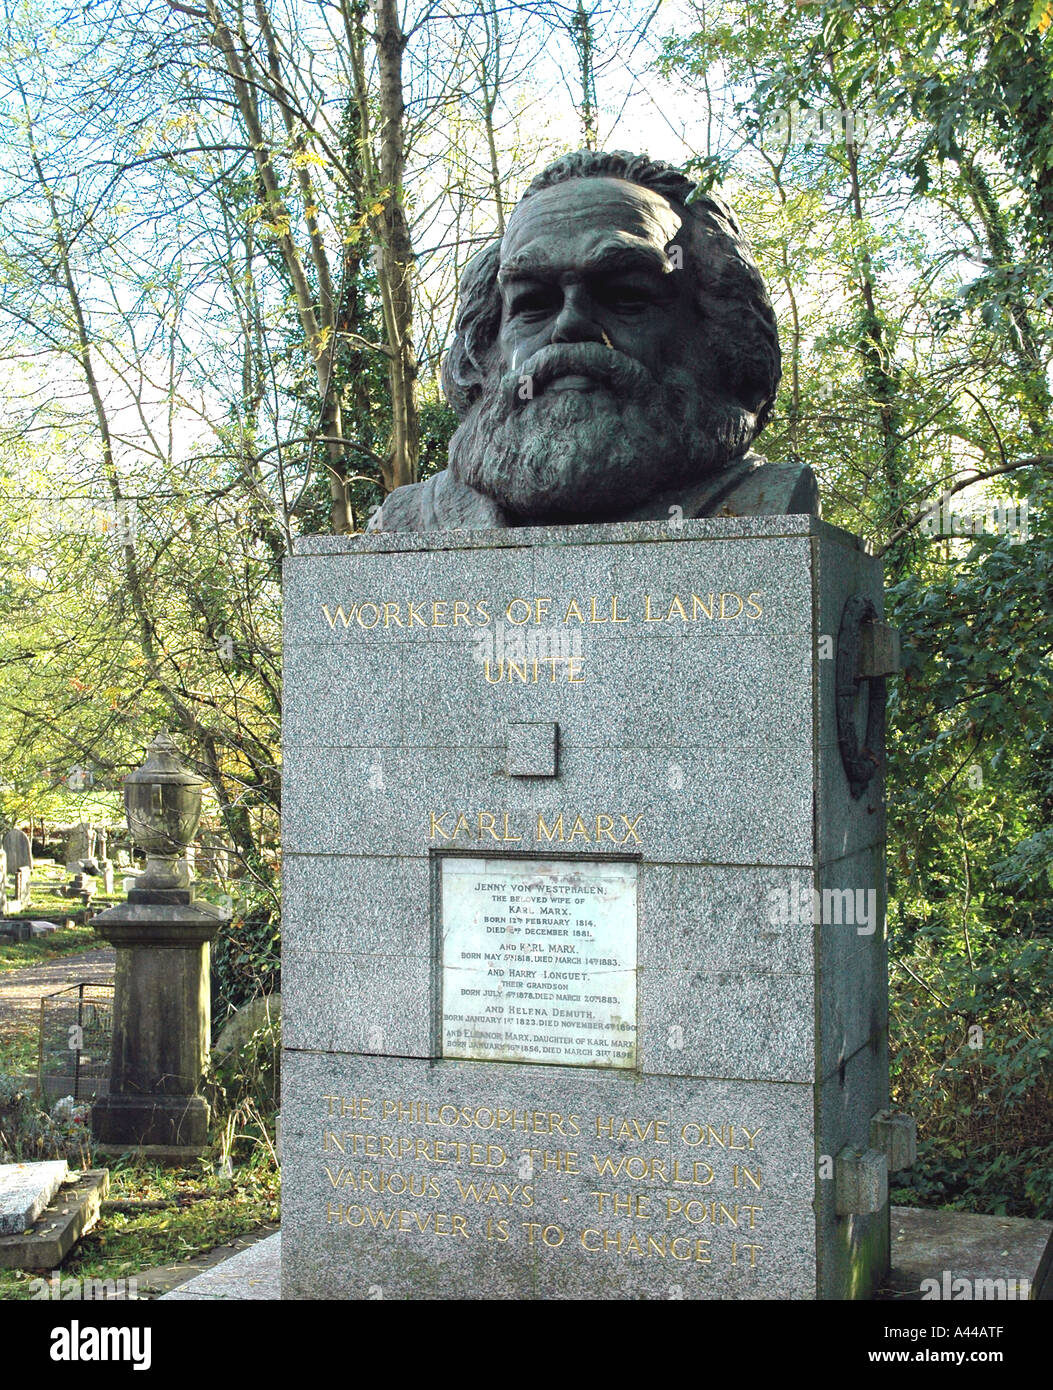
pixel 615 356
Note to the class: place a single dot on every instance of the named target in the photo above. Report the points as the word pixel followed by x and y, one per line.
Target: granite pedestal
pixel 584 970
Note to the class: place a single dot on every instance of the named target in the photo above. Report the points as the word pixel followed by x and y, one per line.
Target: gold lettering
pixel 484 817
pixel 415 617
pixel 737 611
pixel 392 610
pixel 574 662
pixel 490 680
pixel 696 604
pixel 460 612
pixel 750 599
pixel 605 826
pixel 677 607
pixel 542 828
pixel 647 615
pixel 506 834
pixel 630 829
pixel 579 829
pixel 574 610
pixel 435 828
pixel 593 618
pixel 439 603
pixel 614 611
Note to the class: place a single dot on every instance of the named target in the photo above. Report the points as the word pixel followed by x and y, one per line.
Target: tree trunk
pixel 395 252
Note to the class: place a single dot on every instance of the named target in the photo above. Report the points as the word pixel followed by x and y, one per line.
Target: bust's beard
pixel 575 455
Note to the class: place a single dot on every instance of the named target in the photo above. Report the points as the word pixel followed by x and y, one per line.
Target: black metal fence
pixel 76 1025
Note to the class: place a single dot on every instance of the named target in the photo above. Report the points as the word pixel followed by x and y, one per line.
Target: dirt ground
pixel 22 990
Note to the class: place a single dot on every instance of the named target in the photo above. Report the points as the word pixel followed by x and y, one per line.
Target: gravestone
pixel 22 877
pixel 80 846
pixel 106 871
pixel 18 850
pixel 213 858
pixel 584 966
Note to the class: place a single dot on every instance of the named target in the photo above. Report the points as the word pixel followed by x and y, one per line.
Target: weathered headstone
pixel 213 858
pixel 81 885
pixel 80 846
pixel 18 849
pixel 106 872
pixel 22 878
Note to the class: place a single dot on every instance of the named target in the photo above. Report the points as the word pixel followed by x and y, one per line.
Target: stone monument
pixel 584 973
pixel 18 849
pixel 162 1001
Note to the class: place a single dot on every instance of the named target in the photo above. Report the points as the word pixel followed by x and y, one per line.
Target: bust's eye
pixel 627 298
pixel 535 303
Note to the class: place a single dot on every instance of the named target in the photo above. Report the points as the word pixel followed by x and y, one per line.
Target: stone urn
pixel 163 803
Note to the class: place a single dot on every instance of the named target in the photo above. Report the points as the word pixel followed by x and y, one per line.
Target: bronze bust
pixel 615 356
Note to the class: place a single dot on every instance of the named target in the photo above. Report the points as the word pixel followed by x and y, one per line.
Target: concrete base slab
pixel 178 1154
pixel 949 1246
pixel 73 1212
pixel 925 1245
pixel 254 1273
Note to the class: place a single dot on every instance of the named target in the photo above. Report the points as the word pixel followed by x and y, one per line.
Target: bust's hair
pixel 729 291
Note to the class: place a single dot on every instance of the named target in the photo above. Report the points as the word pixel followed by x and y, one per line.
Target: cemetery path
pixel 22 990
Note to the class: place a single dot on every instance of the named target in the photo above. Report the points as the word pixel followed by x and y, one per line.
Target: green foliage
pixel 29 1134
pixel 245 1083
pixel 163 1216
pixel 912 279
pixel 246 955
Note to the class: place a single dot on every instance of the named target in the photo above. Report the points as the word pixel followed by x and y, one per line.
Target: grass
pixel 47 904
pixel 199 1211
pixel 19 1049
pixel 69 941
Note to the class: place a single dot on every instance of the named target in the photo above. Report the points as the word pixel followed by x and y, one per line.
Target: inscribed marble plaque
pixel 539 960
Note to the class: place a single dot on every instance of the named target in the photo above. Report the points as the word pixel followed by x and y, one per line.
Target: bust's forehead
pixel 568 216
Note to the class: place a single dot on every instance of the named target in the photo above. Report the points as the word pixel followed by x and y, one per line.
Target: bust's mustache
pixel 623 375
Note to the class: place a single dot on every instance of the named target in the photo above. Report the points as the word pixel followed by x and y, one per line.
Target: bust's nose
pixel 576 320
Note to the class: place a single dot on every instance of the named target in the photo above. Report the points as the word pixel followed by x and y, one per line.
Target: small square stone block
pixel 895 1134
pixel 533 750
pixel 861 1182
